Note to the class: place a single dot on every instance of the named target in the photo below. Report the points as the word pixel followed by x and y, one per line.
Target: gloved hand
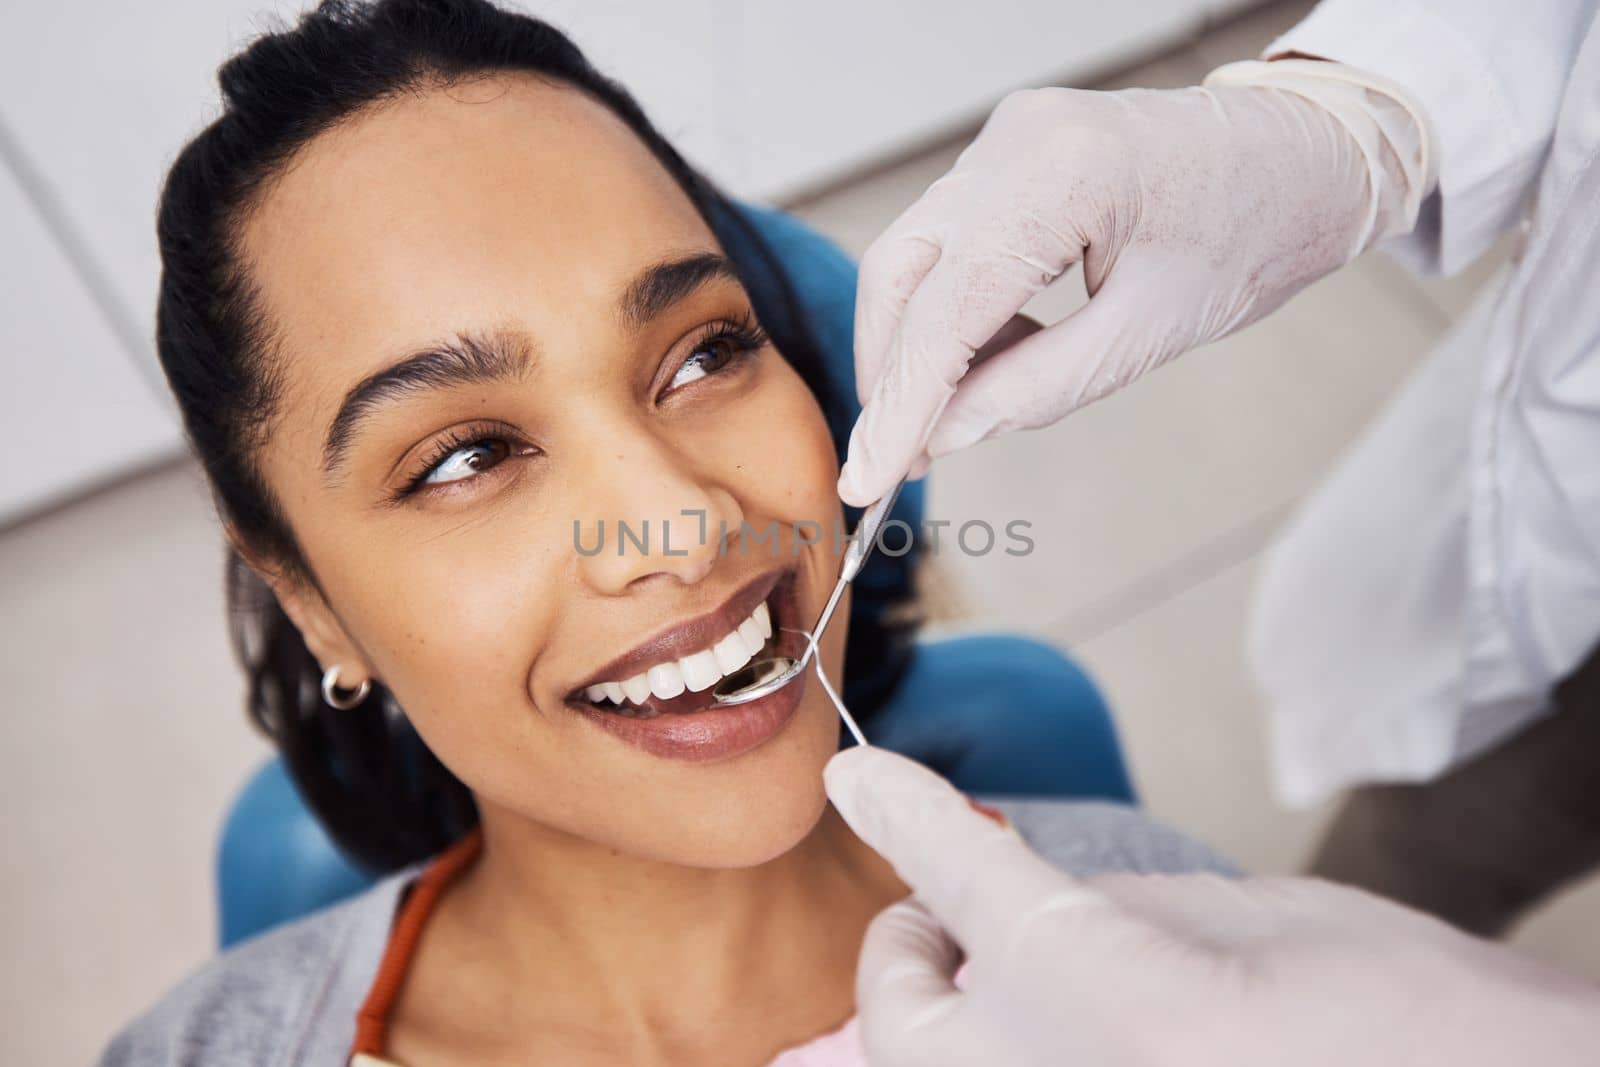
pixel 1162 971
pixel 1195 212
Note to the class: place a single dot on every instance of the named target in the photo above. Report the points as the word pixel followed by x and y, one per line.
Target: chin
pixel 751 810
pixel 760 834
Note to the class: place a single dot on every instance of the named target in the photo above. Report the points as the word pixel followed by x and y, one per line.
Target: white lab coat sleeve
pixel 1491 77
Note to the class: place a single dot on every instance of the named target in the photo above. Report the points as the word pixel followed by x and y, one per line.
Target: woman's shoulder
pixel 1086 838
pixel 287 997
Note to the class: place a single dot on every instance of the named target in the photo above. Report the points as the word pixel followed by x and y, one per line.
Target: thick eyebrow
pixel 463 360
pixel 659 287
pixel 469 358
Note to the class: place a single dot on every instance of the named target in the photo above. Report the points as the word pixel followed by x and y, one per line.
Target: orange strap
pixel 372 1021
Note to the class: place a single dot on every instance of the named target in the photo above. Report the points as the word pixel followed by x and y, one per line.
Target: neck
pixel 605 935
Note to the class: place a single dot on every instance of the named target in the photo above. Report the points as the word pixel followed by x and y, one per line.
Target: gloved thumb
pixel 906 994
pixel 975 876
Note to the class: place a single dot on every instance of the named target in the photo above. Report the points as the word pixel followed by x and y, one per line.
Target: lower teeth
pixel 629 711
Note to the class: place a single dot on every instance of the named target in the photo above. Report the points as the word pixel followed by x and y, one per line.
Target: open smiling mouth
pixel 674 672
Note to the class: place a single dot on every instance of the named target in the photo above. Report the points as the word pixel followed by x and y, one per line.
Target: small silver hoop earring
pixel 348 699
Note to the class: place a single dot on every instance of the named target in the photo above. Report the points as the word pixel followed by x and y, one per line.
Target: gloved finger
pixel 977 878
pixel 889 433
pixel 1040 379
pixel 961 303
pixel 893 267
pixel 1018 328
pixel 905 989
pixel 890 271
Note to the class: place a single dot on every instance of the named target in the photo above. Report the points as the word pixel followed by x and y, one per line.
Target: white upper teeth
pixel 666 680
pixel 695 672
pixel 700 671
pixel 731 653
pixel 636 688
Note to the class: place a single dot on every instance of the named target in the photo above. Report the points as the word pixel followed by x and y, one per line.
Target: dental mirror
pixel 758 678
pixel 763 677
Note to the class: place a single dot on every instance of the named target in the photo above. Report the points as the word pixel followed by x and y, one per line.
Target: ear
pixel 306 607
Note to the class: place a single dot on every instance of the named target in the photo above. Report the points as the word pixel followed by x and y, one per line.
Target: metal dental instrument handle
pixel 761 677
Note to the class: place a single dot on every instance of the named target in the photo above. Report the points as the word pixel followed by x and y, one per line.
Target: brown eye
pixel 468 460
pixel 726 346
pixel 703 361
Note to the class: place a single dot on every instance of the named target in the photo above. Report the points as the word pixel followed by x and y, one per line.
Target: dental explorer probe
pixel 761 677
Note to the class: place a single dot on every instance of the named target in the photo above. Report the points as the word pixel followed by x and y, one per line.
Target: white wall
pixel 74 410
pixel 770 98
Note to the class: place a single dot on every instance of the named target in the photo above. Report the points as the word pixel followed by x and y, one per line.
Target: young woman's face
pixel 498 323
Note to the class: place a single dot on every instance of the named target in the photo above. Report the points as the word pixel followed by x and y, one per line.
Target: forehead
pixel 505 201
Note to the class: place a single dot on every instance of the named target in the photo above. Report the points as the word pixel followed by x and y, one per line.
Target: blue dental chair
pixel 996 714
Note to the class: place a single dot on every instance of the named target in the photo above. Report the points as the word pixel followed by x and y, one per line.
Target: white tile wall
pixel 74 407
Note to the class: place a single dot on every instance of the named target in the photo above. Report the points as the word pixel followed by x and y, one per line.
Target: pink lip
pixel 716 733
pixel 694 635
pixel 713 734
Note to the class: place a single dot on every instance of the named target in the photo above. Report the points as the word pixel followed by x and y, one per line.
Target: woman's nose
pixel 656 513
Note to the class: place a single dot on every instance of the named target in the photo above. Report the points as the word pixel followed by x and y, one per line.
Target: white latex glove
pixel 1194 211
pixel 1163 971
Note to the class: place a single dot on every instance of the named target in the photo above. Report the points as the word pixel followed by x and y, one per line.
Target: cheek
pixel 450 624
pixel 786 467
